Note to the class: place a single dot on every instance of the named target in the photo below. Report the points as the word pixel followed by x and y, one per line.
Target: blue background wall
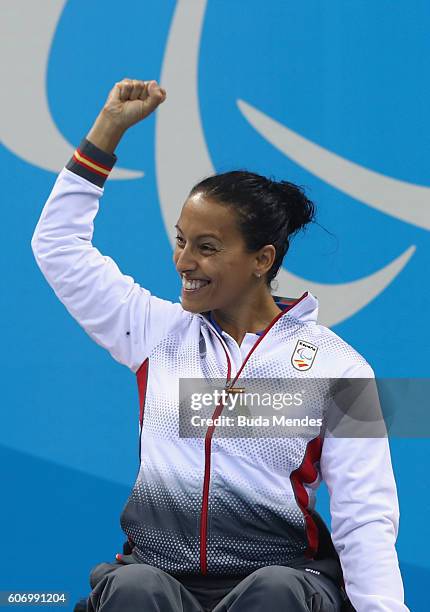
pixel 348 76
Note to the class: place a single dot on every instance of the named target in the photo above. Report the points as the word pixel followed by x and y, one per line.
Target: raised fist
pixel 130 101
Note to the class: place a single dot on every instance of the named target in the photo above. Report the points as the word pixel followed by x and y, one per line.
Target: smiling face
pixel 211 254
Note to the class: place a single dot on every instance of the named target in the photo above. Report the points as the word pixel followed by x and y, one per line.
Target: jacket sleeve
pixel 115 311
pixel 364 511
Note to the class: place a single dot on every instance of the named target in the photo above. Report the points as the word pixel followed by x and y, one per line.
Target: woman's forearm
pixel 105 134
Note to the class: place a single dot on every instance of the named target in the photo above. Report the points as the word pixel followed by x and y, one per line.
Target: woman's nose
pixel 185 261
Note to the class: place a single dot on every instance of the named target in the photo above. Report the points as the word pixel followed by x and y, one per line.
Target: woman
pixel 221 522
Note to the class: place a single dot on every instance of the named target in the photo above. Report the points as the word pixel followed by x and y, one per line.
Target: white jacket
pixel 223 505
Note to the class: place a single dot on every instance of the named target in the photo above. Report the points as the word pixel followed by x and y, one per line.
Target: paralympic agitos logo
pixel 179 160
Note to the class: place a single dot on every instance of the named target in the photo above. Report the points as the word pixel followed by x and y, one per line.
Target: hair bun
pixel 299 210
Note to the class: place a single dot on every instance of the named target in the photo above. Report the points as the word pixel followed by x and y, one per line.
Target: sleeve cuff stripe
pixel 93 160
pixel 103 173
pixel 91 164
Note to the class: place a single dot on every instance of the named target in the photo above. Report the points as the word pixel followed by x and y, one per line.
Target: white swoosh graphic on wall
pixel 341 301
pixel 405 201
pixel 27 127
pixel 182 158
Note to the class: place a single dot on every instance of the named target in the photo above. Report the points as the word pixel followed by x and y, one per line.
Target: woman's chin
pixel 194 307
pixel 193 302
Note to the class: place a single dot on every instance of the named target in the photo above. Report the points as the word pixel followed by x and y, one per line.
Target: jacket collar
pixel 304 309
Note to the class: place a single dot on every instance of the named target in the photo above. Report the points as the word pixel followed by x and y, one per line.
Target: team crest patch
pixel 304 355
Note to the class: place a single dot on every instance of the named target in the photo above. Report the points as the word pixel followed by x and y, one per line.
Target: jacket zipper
pixel 207 474
pixel 208 445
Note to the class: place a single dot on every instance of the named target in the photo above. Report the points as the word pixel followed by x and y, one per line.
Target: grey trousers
pixel 138 587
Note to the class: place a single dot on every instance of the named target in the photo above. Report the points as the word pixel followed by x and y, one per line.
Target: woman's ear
pixel 264 260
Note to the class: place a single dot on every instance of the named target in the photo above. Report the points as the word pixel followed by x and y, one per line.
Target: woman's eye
pixel 207 247
pixel 179 240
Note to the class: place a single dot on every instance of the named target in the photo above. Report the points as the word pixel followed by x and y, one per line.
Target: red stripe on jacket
pixel 307 473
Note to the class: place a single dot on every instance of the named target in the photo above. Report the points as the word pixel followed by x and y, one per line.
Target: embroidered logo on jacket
pixel 304 355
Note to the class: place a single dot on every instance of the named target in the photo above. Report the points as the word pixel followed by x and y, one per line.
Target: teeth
pixel 193 284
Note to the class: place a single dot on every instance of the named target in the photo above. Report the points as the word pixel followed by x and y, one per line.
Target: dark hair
pixel 268 212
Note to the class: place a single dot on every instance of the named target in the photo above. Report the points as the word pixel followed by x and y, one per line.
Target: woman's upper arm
pixel 114 310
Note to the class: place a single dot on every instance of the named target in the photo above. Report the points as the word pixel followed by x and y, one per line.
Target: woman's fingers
pixel 132 89
pixel 137 89
pixel 150 89
pixel 125 86
pixel 155 91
